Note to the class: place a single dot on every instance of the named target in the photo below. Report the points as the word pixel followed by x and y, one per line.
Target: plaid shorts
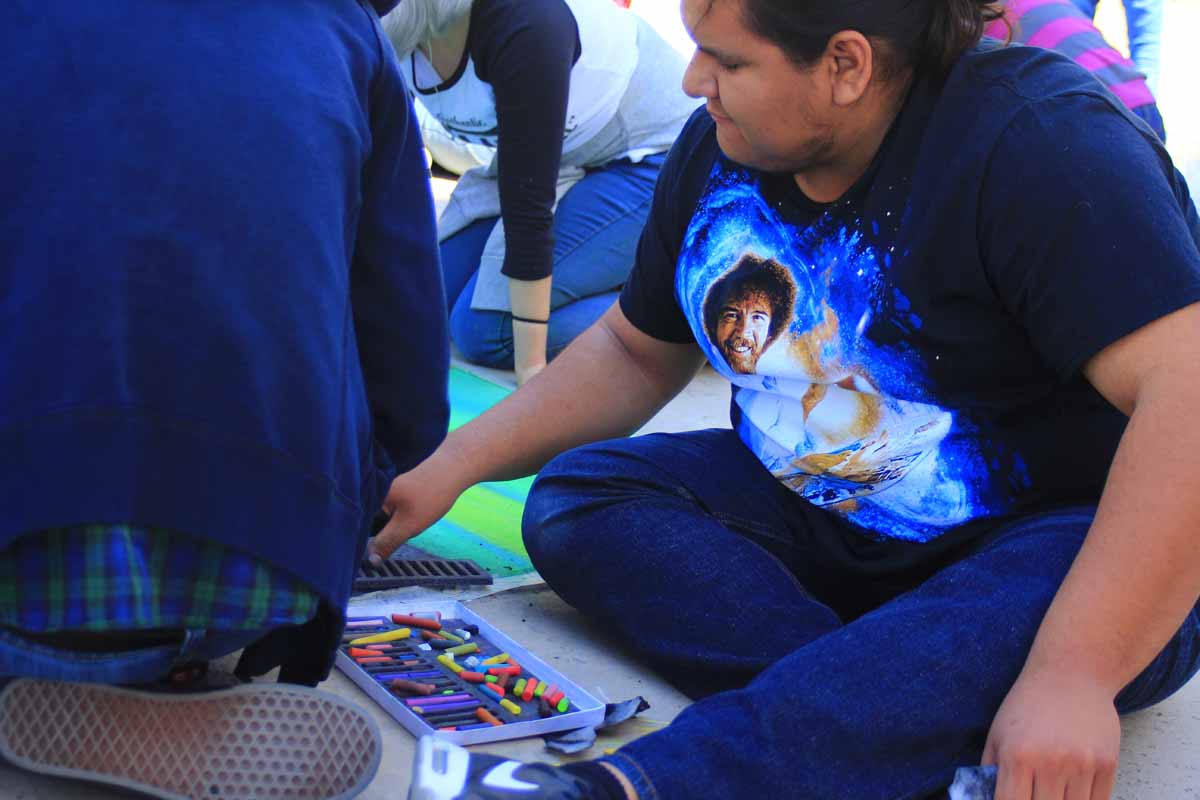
pixel 104 578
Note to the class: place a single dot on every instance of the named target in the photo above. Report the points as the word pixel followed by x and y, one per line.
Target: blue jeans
pixel 870 687
pixel 22 658
pixel 1144 18
pixel 596 229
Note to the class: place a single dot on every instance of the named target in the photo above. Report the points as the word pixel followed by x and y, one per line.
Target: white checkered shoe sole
pixel 252 742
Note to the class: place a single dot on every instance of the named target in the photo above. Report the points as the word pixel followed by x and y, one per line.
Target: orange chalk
pixel 472 677
pixel 487 716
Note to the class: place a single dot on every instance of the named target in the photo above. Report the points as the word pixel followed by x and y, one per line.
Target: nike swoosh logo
pixel 501 777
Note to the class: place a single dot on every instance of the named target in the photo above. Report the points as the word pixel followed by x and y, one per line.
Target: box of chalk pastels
pixel 445 670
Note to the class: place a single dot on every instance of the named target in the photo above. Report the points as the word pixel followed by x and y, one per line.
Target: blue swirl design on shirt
pixel 851 424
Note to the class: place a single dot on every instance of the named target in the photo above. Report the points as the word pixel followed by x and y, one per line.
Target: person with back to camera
pixel 955 522
pixel 221 334
pixel 581 98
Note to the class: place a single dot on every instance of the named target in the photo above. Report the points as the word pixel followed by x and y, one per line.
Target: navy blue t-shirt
pixel 909 357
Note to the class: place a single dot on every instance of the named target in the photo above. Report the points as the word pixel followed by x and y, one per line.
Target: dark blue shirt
pixel 221 308
pixel 909 357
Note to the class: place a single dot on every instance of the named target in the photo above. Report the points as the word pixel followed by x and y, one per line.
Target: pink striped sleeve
pixel 1053 33
pixel 1133 93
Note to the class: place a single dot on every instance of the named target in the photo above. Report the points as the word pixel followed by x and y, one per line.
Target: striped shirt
pixel 1059 25
pixel 100 578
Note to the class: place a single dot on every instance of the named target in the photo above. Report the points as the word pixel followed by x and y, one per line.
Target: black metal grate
pixel 420 572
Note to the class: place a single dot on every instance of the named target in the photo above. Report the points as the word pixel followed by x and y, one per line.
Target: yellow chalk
pixel 510 706
pixel 449 663
pixel 380 638
pixel 500 658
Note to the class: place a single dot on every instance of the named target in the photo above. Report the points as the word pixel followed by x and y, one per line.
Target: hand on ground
pixel 415 501
pixel 1056 737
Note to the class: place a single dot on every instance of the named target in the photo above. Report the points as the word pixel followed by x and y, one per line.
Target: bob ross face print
pixel 783 311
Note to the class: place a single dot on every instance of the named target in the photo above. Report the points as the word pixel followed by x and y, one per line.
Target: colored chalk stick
pixel 563 705
pixel 387 636
pixel 445 634
pixel 429 711
pixel 430 635
pixel 366 622
pixel 510 706
pixel 499 658
pixel 519 687
pixel 491 692
pixel 540 690
pixel 376 660
pixel 487 716
pixel 411 687
pixel 531 689
pixel 444 644
pixel 457 697
pixel 509 670
pixel 463 649
pixel 403 676
pixel 362 652
pixel 448 662
pixel 417 622
pixel 472 677
pixel 474 726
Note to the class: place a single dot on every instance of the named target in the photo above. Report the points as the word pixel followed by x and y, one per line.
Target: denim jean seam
pixel 642 778
pixel 627 212
pixel 758 529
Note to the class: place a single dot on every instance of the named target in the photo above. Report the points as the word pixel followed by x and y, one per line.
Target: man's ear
pixel 851 63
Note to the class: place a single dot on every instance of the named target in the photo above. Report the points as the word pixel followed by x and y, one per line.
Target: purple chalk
pixel 438 711
pixel 437 701
pixel 405 676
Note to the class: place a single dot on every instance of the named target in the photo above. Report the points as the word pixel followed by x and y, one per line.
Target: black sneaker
pixel 444 771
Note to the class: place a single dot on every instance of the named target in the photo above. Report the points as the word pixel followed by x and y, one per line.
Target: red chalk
pixel 530 686
pixel 417 622
pixel 411 687
pixel 511 669
pixel 360 652
pixel 430 635
pixel 472 677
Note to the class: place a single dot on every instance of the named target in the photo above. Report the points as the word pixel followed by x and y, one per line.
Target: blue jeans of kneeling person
pixel 596 229
pixel 817 673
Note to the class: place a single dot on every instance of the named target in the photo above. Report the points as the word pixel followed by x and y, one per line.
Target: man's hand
pixel 415 501
pixel 1056 737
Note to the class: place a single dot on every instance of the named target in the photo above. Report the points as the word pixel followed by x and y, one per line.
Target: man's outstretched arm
pixel 608 383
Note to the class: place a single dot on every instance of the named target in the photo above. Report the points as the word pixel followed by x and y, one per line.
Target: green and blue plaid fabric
pixel 123 577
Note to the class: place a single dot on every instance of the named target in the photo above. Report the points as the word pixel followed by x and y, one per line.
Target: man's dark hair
pixel 926 35
pixel 753 273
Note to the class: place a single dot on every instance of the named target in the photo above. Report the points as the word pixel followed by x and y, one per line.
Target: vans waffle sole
pixel 251 742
